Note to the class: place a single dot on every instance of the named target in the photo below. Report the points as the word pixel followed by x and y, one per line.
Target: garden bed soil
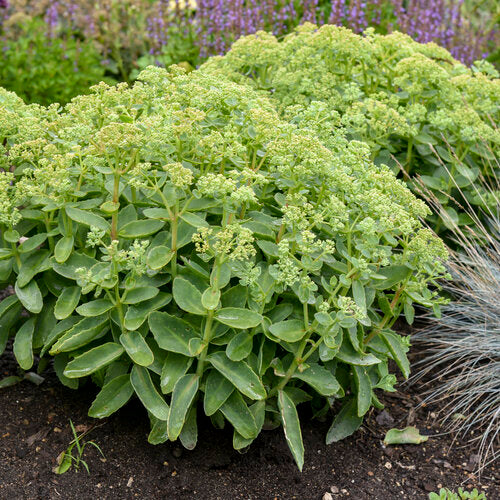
pixel 34 430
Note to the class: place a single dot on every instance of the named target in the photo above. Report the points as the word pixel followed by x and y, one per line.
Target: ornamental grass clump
pixel 462 347
pixel 179 241
pixel 404 99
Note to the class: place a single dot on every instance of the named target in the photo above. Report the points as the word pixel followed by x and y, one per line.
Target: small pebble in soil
pixel 388 465
pixel 389 452
pixel 327 496
pixel 334 489
pixel 384 419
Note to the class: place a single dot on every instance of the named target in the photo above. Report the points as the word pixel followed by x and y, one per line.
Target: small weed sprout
pixel 66 459
pixel 446 494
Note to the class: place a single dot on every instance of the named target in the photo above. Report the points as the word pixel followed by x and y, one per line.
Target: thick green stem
pixel 48 229
pixel 173 262
pixel 306 315
pixel 377 329
pixel 118 305
pixel 281 232
pixel 288 375
pixel 387 317
pixel 207 337
pixel 409 152
pixel 298 360
pixel 114 217
pixel 16 255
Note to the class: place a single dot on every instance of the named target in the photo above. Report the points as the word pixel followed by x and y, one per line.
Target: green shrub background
pixel 46 71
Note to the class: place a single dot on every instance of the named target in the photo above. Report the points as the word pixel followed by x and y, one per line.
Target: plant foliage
pixel 179 241
pixel 67 460
pixel 446 494
pixel 44 70
pixel 415 106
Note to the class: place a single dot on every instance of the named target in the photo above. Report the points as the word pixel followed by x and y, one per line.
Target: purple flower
pixel 215 24
pixel 337 13
pixel 52 18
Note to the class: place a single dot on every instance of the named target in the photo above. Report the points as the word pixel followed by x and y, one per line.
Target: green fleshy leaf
pixel 345 423
pixel 159 257
pixel 290 331
pixel 147 393
pixel 67 302
pixel 95 308
pixel 187 296
pixel 88 218
pixel 320 379
pixel 291 427
pixel 238 318
pixel 140 294
pixel 408 435
pixel 171 333
pixel 236 411
pixel 137 348
pixel 141 228
pixel 23 344
pixel 174 367
pixel 239 374
pixel 217 389
pixel 398 351
pixel 30 296
pixel 363 388
pixel 112 397
pixel 240 346
pixel 93 360
pixel 63 249
pixel 182 397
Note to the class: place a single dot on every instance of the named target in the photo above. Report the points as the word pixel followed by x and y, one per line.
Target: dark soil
pixel 34 430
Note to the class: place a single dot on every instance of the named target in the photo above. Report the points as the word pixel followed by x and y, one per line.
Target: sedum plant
pixel 409 102
pixel 179 241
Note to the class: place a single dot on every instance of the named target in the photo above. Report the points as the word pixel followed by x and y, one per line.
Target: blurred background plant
pixel 46 69
pixel 461 350
pixel 126 36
